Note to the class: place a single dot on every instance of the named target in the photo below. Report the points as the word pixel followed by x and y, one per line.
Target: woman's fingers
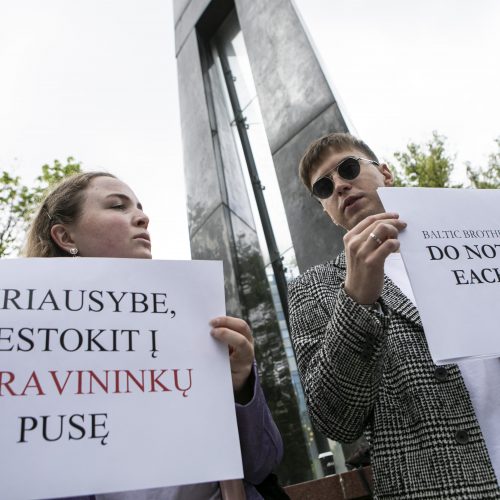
pixel 235 333
pixel 236 324
pixel 233 339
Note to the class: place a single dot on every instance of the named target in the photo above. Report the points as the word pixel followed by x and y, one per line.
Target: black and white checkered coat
pixel 364 372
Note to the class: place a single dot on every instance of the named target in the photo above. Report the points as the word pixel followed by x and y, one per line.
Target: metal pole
pixel 276 259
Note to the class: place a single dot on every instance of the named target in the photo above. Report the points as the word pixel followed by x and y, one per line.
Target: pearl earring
pixel 73 251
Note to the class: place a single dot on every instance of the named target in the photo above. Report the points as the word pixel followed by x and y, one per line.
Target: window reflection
pixel 229 44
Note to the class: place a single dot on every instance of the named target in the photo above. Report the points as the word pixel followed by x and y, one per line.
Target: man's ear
pixel 386 172
pixel 62 237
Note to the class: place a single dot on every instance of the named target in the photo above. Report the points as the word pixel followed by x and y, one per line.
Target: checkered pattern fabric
pixel 364 372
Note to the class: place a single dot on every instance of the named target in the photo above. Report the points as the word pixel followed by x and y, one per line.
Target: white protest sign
pixel 109 378
pixel 451 251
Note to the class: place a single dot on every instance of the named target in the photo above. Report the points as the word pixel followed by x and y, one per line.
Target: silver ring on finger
pixel 376 238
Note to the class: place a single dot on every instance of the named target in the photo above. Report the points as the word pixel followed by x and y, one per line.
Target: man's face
pixel 353 200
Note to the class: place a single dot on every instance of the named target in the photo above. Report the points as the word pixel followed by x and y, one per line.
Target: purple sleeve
pixel 84 497
pixel 260 440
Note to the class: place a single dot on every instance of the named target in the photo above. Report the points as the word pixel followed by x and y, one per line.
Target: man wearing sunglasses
pixel 362 353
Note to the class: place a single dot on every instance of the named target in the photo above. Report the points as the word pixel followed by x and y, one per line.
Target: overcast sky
pixel 96 79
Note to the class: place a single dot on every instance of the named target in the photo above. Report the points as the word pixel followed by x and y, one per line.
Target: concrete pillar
pixel 297 106
pixel 221 224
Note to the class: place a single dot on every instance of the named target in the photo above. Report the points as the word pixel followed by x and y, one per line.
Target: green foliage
pixel 430 166
pixel 15 201
pixel 424 166
pixel 489 178
pixel 18 201
pixel 56 172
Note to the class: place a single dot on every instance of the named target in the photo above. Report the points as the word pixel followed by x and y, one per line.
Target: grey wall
pixel 298 106
pixel 221 224
pixel 208 212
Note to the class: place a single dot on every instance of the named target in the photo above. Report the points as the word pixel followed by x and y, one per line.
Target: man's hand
pixel 367 245
pixel 237 335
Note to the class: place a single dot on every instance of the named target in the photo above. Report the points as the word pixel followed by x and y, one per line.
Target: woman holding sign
pixel 94 214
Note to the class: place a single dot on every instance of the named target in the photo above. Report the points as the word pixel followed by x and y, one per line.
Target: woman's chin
pixel 146 254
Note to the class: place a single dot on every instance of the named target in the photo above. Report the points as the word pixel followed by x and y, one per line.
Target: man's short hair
pixel 317 152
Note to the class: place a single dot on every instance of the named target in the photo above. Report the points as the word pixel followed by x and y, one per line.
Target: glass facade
pixel 232 224
pixel 235 208
pixel 229 45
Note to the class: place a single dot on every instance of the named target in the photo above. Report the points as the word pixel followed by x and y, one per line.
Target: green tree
pixel 15 202
pixel 424 166
pixel 490 177
pixel 430 166
pixel 18 201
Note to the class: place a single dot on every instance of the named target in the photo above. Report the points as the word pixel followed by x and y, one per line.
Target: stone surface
pixel 315 238
pixel 291 86
pixel 235 191
pixel 202 179
pixel 179 7
pixel 213 241
pixel 298 106
pixel 189 12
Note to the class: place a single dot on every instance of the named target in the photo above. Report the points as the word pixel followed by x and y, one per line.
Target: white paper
pixel 160 435
pixel 451 250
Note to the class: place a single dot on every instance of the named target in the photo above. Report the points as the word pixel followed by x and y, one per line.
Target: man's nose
pixel 340 184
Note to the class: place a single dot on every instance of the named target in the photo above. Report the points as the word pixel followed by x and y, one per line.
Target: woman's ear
pixel 62 238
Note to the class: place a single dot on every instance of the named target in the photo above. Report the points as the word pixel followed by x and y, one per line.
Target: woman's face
pixel 112 223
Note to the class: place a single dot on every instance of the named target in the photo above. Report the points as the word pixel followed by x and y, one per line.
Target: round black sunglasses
pixel 348 169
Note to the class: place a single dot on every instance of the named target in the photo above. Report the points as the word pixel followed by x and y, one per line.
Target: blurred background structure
pixel 252 97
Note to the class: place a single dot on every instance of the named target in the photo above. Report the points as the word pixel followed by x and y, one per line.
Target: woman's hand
pixel 367 245
pixel 237 335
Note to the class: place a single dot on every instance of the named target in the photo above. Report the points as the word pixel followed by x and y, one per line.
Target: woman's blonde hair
pixel 61 205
